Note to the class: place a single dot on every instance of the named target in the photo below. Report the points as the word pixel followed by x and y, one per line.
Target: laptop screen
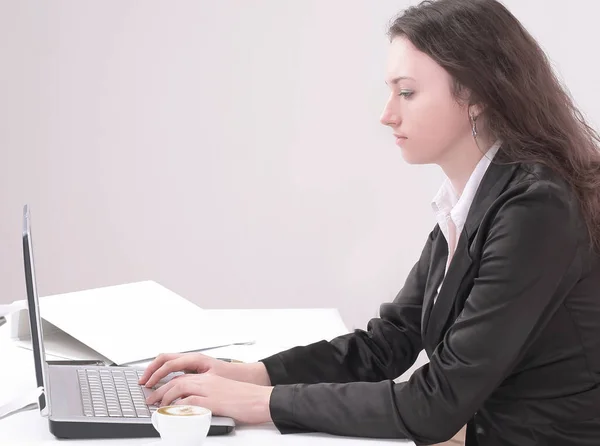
pixel 35 321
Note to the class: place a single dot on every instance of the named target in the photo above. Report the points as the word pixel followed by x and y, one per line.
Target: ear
pixel 475 110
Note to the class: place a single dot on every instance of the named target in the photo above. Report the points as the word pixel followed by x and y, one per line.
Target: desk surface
pixel 274 331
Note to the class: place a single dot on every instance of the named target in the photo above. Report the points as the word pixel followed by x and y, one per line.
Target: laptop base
pixel 88 430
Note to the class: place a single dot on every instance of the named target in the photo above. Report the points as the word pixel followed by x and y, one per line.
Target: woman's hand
pixel 164 364
pixel 244 402
pixel 181 362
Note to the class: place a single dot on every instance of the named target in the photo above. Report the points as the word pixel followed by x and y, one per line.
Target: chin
pixel 414 158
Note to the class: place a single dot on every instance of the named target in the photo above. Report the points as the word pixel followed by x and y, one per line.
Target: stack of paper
pixel 125 323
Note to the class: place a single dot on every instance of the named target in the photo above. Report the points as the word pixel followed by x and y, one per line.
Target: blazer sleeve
pixel 388 347
pixel 526 269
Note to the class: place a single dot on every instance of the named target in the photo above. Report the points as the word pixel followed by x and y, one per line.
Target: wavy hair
pixel 491 57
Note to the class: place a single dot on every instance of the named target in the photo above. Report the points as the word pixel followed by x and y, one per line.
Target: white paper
pixel 25 401
pixel 17 305
pixel 17 369
pixel 137 321
pixel 285 326
pixel 61 345
pixel 275 330
pixel 19 387
pixel 247 353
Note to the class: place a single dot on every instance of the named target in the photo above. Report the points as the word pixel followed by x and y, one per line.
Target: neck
pixel 461 162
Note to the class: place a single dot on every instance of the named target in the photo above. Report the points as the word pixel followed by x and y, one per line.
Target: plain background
pixel 230 150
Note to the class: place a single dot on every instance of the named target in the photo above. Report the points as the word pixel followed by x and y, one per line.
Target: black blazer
pixel 513 338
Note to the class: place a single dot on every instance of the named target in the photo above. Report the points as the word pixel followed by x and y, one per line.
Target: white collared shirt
pixel 451 210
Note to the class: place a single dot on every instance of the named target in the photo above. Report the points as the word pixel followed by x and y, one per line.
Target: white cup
pixel 182 425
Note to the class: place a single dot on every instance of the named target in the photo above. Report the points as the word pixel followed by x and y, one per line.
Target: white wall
pixel 229 149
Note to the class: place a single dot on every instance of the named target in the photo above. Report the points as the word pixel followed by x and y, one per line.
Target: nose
pixel 389 116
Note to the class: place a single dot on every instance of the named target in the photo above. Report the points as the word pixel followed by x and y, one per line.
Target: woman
pixel 505 298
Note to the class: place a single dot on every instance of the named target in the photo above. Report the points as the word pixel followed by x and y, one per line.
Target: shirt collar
pixel 448 202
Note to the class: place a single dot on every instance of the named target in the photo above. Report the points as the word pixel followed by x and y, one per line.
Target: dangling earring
pixel 473 125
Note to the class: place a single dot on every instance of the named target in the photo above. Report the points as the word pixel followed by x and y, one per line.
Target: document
pixel 127 323
pixel 17 305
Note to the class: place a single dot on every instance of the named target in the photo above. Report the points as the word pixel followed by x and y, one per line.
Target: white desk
pixel 274 331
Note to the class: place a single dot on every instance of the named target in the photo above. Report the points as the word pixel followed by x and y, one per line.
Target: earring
pixel 473 125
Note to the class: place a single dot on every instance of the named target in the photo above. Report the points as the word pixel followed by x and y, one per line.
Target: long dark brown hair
pixel 490 55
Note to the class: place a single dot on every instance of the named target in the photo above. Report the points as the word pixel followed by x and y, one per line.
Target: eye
pixel 405 93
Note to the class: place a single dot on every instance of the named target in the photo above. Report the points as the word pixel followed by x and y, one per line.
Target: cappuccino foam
pixel 182 410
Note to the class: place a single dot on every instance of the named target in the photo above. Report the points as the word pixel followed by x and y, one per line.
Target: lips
pixel 400 139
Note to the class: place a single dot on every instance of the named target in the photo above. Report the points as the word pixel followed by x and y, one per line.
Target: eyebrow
pixel 398 79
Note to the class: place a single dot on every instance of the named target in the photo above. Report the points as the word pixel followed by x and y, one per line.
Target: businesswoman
pixel 505 298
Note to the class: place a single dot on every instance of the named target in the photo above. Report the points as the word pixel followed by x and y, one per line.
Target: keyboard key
pixel 113 392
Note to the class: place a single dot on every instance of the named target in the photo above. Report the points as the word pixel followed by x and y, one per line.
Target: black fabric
pixel 513 337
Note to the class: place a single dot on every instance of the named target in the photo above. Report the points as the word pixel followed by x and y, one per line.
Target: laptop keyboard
pixel 113 393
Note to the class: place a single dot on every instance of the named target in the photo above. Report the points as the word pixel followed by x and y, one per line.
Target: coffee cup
pixel 182 425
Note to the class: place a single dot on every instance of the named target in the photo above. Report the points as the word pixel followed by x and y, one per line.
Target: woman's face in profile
pixel 421 109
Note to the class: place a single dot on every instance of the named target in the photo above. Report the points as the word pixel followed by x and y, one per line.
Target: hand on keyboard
pixel 245 402
pixel 198 363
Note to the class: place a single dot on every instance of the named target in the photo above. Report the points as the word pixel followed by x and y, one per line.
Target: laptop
pixel 90 400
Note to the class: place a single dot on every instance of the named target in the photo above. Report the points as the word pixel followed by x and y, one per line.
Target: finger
pixel 181 389
pixel 173 365
pixel 177 377
pixel 158 393
pixel 155 365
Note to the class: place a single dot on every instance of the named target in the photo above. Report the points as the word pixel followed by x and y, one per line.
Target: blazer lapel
pixel 439 255
pixel 460 264
pixel 435 319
